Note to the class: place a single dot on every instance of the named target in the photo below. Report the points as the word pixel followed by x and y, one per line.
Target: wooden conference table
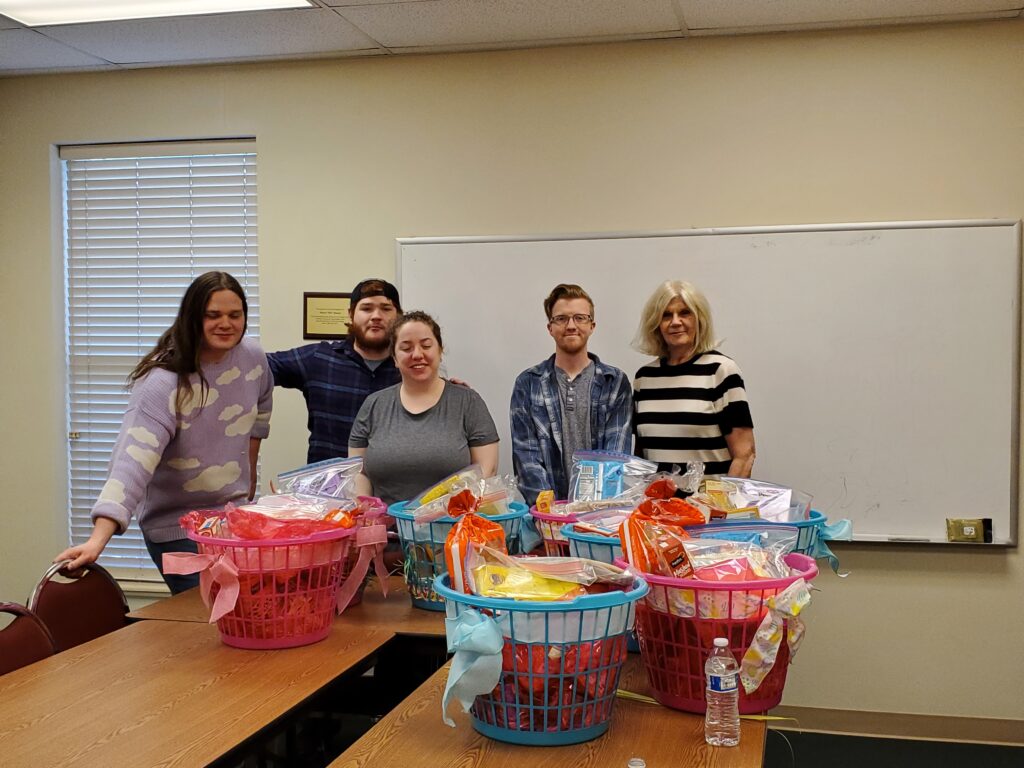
pixel 166 691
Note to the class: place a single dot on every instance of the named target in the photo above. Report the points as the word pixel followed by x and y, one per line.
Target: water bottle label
pixel 722 683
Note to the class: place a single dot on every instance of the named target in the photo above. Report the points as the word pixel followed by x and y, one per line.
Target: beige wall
pixel 916 123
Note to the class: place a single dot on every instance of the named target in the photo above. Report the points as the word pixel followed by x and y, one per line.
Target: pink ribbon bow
pixel 212 569
pixel 370 539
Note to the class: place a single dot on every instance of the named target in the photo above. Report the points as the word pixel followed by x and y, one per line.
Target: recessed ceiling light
pixel 38 13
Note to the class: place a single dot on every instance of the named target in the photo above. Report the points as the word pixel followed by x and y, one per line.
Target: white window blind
pixel 140 223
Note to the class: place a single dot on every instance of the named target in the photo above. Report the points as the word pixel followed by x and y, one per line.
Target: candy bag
pixel 333 478
pixel 470 530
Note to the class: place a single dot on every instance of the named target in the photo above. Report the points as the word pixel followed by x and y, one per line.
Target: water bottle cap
pixel 721 642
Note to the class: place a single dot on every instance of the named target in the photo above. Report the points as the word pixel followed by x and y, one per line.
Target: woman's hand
pixel 82 554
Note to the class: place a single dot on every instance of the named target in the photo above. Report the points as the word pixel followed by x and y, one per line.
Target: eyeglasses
pixel 580 320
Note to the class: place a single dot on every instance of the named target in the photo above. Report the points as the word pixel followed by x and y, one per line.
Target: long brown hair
pixel 179 347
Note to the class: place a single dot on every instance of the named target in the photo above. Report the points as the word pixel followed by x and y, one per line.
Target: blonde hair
pixel 648 338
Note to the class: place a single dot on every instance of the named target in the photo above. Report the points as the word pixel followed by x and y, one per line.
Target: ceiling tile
pixel 466 22
pixel 708 14
pixel 218 37
pixel 26 49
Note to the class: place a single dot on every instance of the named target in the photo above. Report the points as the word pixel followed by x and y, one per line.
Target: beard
pixel 369 343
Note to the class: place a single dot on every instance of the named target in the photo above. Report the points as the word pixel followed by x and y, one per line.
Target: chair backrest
pixel 82 608
pixel 24 641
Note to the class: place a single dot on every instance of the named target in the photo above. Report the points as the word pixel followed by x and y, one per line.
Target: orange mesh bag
pixel 671 511
pixel 652 537
pixel 470 529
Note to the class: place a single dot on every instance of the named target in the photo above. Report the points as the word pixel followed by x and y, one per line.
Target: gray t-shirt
pixel 407 452
pixel 574 397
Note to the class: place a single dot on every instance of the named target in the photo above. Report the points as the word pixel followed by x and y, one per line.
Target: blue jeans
pixel 177 583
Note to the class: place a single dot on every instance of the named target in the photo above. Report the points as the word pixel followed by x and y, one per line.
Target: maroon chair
pixel 24 641
pixel 80 607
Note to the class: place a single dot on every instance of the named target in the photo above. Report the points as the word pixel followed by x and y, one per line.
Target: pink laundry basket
pixel 550 527
pixel 677 623
pixel 287 588
pixel 376 514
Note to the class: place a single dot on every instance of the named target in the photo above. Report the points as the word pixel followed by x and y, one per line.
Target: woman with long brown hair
pixel 200 405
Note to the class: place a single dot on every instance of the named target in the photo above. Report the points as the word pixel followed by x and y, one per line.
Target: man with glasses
pixel 335 377
pixel 571 401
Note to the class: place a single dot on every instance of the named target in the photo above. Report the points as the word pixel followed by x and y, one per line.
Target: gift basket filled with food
pixel 538 642
pixel 335 479
pixel 424 522
pixel 270 572
pixel 600 480
pixel 741 582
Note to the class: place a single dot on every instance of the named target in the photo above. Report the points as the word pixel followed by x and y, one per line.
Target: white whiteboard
pixel 881 360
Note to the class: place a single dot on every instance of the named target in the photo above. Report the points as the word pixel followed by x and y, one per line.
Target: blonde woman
pixel 690 403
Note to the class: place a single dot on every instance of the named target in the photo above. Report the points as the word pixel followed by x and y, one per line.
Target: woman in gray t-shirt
pixel 420 431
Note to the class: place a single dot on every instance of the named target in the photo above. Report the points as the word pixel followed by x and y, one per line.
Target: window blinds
pixel 138 228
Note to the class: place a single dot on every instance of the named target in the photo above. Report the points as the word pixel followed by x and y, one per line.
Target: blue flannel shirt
pixel 334 380
pixel 535 417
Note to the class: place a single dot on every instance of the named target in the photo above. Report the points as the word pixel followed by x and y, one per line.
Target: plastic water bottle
pixel 722 720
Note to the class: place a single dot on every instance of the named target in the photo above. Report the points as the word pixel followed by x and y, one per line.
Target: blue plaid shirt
pixel 335 380
pixel 536 420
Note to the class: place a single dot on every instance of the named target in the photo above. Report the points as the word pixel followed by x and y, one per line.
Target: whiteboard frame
pixel 1015 224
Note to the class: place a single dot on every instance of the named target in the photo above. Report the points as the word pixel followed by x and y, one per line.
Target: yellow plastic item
pixel 521 584
pixel 544 501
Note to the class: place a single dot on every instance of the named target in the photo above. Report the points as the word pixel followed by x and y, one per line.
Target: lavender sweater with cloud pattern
pixel 166 462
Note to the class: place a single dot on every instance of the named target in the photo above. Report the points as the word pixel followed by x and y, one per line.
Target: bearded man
pixel 335 377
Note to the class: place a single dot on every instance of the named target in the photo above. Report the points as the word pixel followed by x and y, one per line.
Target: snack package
pixel 600 475
pixel 205 522
pixel 740 497
pixel 545 502
pixel 674 511
pixel 432 503
pixel 724 560
pixel 603 522
pixel 773 502
pixel 665 485
pixel 496 493
pixel 252 522
pixel 492 580
pixel 654 547
pixel 493 573
pixel 464 478
pixel 332 478
pixel 470 531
